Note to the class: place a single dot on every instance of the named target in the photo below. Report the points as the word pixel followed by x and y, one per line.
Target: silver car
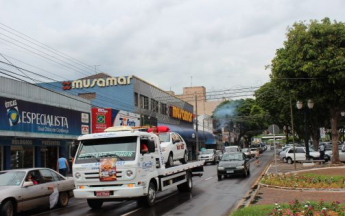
pixel 26 189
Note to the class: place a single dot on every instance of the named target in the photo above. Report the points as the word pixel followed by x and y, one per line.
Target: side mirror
pixel 28 184
pixel 151 146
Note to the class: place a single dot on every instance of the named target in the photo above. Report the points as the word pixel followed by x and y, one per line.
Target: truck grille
pixel 95 175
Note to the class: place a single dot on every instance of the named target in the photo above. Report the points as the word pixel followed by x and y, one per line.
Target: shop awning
pixel 187 134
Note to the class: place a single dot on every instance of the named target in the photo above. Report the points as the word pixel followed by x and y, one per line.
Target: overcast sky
pixel 221 44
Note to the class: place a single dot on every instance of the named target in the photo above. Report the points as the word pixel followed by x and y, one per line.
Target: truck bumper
pixel 115 193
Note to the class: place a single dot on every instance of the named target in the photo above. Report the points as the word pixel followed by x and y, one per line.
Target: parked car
pixel 257 146
pixel 341 153
pixel 233 163
pixel 300 153
pixel 173 148
pixel 282 154
pixel 209 156
pixel 26 189
pixel 232 149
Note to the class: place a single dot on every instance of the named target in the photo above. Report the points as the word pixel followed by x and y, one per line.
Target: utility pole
pixel 196 126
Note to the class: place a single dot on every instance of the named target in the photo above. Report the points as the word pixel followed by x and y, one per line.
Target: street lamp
pixel 305 112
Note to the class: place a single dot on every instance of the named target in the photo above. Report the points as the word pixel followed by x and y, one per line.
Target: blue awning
pixel 186 133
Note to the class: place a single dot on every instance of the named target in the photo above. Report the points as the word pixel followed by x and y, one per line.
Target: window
pixel 144 102
pixel 136 99
pixel 57 177
pixel 300 150
pixel 163 109
pixel 291 151
pixel 154 105
pixel 47 175
pixel 22 157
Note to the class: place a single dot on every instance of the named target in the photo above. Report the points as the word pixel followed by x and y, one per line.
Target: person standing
pixel 62 165
pixel 322 152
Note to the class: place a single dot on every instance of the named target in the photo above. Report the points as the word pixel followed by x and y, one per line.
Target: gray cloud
pixel 222 44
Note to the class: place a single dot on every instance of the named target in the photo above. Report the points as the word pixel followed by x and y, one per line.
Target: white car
pixel 209 156
pixel 301 154
pixel 173 148
pixel 232 149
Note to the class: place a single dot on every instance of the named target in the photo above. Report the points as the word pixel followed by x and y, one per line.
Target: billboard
pixel 103 118
pixel 24 116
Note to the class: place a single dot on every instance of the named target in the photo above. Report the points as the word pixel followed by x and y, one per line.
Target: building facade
pixel 37 125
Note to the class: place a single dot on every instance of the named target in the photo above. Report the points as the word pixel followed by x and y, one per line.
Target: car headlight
pixel 77 175
pixel 240 167
pixel 220 168
pixel 129 173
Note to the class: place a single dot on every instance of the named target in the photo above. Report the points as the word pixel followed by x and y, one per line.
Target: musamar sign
pixel 100 82
pixel 178 113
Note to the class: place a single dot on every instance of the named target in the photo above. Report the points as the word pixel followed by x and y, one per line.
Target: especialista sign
pixel 23 116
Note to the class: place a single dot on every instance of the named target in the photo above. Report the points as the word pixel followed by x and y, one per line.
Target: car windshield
pixel 164 137
pixel 207 151
pixel 232 157
pixel 231 149
pixel 11 178
pixel 121 148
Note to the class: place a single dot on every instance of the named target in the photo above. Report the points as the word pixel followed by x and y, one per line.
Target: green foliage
pixel 254 210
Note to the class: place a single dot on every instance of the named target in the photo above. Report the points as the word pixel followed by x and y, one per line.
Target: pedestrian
pixel 322 152
pixel 62 165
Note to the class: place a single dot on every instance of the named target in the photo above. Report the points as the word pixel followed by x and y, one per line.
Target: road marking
pixel 128 213
pixel 208 178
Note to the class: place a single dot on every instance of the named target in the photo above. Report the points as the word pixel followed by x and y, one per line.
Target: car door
pixel 175 146
pixel 183 146
pixel 37 195
pixel 300 154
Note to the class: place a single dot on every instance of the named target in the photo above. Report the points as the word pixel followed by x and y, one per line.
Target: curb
pixel 303 189
pixel 250 195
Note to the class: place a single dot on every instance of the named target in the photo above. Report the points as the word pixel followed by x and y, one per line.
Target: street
pixel 209 197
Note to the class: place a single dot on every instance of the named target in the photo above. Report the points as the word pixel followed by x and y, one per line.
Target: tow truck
pixel 113 166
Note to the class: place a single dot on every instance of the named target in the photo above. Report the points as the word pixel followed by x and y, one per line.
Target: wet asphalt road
pixel 209 197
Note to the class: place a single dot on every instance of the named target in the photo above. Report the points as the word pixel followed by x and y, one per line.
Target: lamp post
pixel 306 131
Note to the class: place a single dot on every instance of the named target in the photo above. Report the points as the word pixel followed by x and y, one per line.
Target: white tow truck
pixel 123 163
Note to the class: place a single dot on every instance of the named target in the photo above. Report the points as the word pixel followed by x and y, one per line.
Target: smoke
pixel 224 113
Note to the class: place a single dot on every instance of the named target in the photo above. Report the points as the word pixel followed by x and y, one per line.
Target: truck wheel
pixel 63 199
pixel 188 185
pixel 7 208
pixel 150 199
pixel 95 204
pixel 170 161
pixel 184 160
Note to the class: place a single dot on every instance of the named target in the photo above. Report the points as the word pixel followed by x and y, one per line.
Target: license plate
pixel 102 193
pixel 230 171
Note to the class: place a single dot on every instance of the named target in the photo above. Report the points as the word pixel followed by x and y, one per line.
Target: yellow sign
pixel 179 113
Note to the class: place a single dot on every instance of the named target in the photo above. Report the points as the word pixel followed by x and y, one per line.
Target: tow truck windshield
pixel 121 148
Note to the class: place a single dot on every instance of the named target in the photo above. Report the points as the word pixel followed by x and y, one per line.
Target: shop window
pixel 144 102
pixel 49 156
pixel 22 157
pixel 136 99
pixel 154 105
pixel 164 109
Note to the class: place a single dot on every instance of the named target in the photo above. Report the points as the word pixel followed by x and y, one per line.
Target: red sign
pixel 101 119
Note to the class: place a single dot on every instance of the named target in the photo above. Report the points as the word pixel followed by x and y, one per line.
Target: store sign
pixel 51 143
pixel 100 82
pixel 124 118
pixel 178 113
pixel 23 116
pixel 21 142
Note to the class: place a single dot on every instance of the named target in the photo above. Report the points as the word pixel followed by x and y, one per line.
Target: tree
pixel 312 63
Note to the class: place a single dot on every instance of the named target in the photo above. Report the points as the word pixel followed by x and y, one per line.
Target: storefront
pixel 34 128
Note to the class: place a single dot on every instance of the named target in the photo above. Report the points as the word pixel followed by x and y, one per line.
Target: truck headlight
pixel 129 173
pixel 77 175
pixel 220 168
pixel 240 167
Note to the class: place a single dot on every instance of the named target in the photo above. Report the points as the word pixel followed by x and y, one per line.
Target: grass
pixel 255 210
